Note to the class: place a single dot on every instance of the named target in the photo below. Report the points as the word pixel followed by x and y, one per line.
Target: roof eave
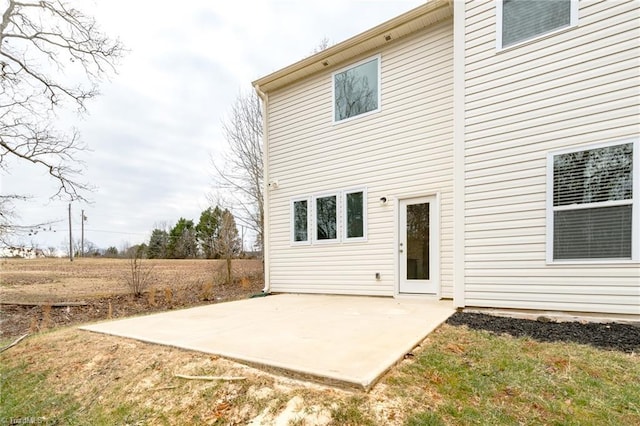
pixel 421 17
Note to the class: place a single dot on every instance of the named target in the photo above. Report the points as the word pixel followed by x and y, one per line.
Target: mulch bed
pixel 612 336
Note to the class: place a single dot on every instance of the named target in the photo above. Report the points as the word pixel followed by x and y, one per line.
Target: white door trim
pixel 434 242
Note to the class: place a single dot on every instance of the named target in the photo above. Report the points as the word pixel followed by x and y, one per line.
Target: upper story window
pixel 592 203
pixel 521 20
pixel 356 89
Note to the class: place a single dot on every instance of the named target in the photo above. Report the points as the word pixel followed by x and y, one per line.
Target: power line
pixel 116 232
pixel 93 230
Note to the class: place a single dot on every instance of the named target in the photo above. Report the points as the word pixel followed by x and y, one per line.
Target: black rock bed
pixel 612 336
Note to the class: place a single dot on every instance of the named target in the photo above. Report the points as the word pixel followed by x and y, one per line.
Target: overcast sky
pixel 157 122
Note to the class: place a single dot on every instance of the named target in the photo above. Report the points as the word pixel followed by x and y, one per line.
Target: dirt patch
pixel 123 381
pixel 99 285
pixel 614 336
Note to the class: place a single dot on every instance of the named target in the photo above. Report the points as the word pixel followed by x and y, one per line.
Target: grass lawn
pixel 457 376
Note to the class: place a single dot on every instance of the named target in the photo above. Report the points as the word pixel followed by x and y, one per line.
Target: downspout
pixel 265 189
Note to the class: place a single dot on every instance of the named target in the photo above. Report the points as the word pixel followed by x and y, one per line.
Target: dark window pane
pixel 596 175
pixel 418 241
pixel 356 90
pixel 300 220
pixel 326 220
pixel 525 19
pixel 355 215
pixel 599 233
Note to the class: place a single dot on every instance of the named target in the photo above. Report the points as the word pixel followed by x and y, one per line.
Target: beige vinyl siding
pixel 402 150
pixel 573 88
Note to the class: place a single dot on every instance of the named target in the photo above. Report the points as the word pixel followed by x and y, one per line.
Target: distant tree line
pixel 215 236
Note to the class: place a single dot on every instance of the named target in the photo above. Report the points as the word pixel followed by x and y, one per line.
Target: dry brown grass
pixel 54 280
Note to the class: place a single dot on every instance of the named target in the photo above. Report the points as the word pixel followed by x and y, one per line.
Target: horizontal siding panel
pixel 562 85
pixel 514 250
pixel 408 122
pixel 523 113
pixel 536 147
pixel 508 218
pixel 622 111
pixel 486 209
pixel 626 308
pixel 515 173
pixel 519 226
pixel 623 51
pixel 396 185
pixel 608 299
pixel 340 290
pixel 478 6
pixel 580 133
pixel 525 166
pixel 514 257
pixel 516 187
pixel 514 239
pixel 571 285
pixel 588 271
pixel 505 235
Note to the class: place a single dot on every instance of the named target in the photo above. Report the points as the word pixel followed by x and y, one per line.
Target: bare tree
pixel 324 44
pixel 228 241
pixel 242 171
pixel 44 46
pixel 139 275
pixel 241 175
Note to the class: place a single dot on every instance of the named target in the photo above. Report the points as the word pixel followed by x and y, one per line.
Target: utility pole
pixel 70 237
pixel 82 219
pixel 242 230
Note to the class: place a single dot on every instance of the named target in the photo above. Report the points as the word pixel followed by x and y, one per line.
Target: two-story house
pixel 481 151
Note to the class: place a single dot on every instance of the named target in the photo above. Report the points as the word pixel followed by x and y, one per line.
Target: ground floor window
pixel 300 221
pixel 354 214
pixel 326 218
pixel 339 216
pixel 592 206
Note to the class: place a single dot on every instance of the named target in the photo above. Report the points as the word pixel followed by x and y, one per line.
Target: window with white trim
pixel 355 215
pixel 593 203
pixel 356 89
pixel 326 218
pixel 300 229
pixel 522 20
pixel 339 216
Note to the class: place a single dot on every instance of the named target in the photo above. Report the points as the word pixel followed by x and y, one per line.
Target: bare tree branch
pixel 42 44
pixel 241 173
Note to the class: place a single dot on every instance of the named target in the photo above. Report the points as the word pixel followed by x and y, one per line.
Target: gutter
pixel 409 22
pixel 265 190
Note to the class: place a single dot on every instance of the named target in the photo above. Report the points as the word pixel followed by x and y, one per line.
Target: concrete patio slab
pixel 344 340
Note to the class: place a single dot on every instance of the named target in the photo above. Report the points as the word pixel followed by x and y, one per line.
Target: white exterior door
pixel 418 246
